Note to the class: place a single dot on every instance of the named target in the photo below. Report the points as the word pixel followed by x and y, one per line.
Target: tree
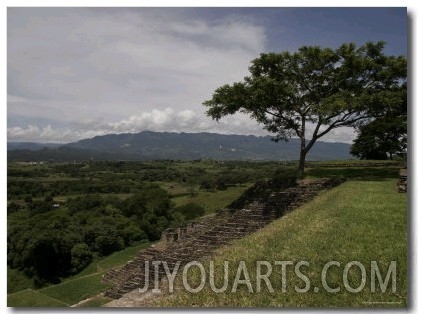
pixel 381 139
pixel 310 92
pixel 48 255
pixel 109 243
pixel 81 256
pixel 132 233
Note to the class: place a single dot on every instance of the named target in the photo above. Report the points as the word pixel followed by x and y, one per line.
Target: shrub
pixel 107 244
pixel 81 256
pixel 133 233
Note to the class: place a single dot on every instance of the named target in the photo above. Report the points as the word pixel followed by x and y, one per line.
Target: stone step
pixel 209 233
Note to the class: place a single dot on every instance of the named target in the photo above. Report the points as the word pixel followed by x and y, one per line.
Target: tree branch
pixel 342 122
pixel 290 122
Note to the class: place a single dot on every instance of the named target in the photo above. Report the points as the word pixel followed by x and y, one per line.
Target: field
pixel 362 220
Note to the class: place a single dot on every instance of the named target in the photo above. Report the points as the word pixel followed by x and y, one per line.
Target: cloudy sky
pixel 74 73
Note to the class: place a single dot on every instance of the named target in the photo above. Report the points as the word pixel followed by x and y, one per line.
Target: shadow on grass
pixel 355 173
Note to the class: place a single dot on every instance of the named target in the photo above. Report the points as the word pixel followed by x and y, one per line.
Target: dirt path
pixel 87 300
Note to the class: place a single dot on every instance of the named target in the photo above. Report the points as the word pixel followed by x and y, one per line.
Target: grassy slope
pixel 359 220
pixel 72 291
pixel 32 298
pixel 212 201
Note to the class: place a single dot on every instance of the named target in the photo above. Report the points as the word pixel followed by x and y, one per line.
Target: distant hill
pixel 178 146
pixel 30 145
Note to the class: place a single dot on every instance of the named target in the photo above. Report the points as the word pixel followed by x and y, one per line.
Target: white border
pixel 416 131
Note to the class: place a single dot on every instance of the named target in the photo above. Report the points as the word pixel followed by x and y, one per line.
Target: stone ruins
pixel 198 240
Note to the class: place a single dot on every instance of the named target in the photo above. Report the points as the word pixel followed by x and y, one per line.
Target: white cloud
pixel 156 120
pixel 117 63
pixel 167 120
pixel 186 118
pixel 22 133
pixel 77 72
pixel 342 134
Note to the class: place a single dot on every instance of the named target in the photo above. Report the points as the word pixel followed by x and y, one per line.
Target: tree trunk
pixel 303 151
pixel 301 169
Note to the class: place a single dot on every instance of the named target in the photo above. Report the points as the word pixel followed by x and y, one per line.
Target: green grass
pixel 212 201
pixel 358 221
pixel 73 291
pixel 32 298
pixel 120 257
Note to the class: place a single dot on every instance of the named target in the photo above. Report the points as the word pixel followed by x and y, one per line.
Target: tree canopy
pixel 48 243
pixel 314 90
pixel 385 136
pixel 382 138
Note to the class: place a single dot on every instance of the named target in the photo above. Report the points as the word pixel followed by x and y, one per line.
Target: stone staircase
pixel 200 240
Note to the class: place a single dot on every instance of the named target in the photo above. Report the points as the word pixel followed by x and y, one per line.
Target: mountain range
pixel 149 145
